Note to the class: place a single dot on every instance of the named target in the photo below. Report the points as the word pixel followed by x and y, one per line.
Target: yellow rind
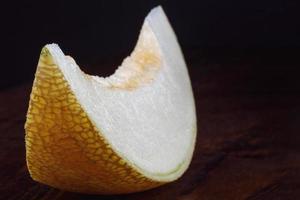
pixel 63 147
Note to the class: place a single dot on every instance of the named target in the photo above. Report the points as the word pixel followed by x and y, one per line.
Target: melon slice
pixel 128 132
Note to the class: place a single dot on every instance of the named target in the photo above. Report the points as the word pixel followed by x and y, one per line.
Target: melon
pixel 128 132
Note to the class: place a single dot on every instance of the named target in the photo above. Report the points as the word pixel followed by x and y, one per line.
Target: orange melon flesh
pixel 72 146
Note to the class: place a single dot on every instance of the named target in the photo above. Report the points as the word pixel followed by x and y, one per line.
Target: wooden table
pixel 248 144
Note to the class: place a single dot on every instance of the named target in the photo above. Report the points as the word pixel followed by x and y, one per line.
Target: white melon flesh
pixel 146 108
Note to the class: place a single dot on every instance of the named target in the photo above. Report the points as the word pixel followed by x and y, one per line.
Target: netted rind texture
pixel 63 147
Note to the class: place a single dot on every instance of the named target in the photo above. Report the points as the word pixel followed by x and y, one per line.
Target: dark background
pixel 243 60
pixel 97 32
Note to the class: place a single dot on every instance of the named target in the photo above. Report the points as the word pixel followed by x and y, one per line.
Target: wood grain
pixel 248 143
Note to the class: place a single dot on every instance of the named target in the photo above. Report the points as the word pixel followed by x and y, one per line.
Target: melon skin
pixel 63 147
